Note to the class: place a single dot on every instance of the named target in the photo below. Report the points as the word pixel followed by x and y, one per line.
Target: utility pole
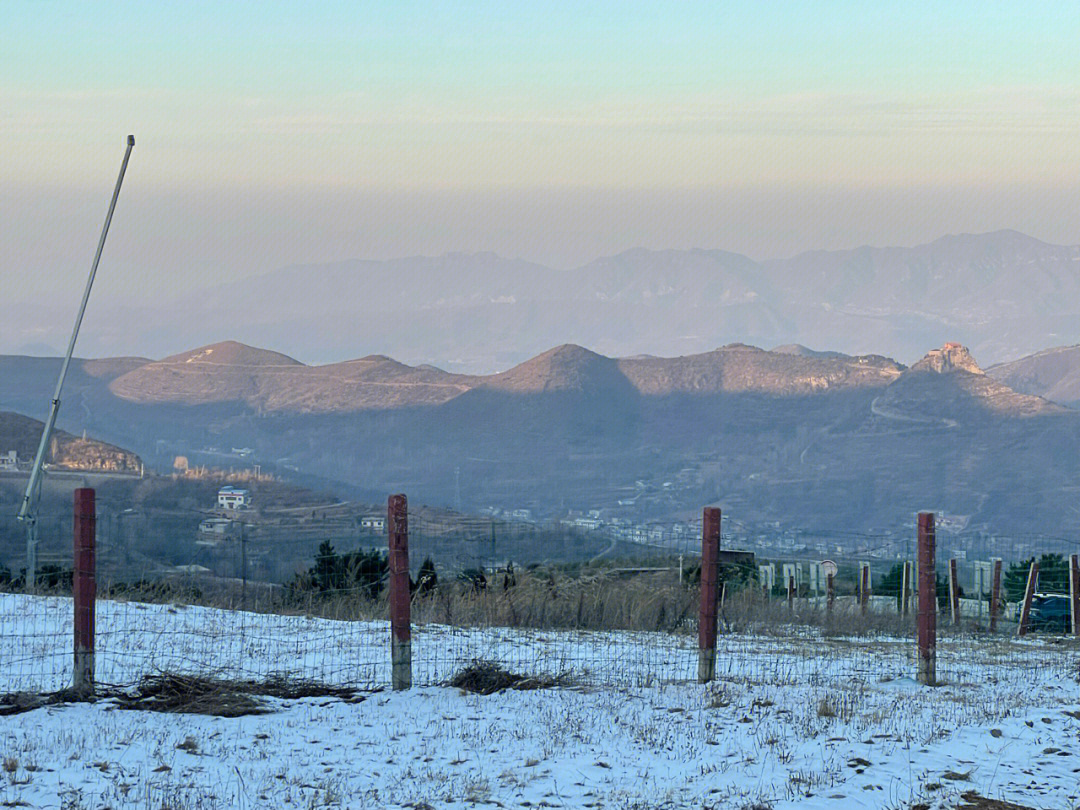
pixel 28 509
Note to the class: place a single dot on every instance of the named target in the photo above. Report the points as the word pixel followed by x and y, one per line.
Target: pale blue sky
pixel 271 133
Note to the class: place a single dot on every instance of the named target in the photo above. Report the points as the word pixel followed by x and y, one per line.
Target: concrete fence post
pixel 954 592
pixel 707 616
pixel 1074 593
pixel 84 590
pixel 1029 592
pixel 927 616
pixel 995 596
pixel 905 586
pixel 397 527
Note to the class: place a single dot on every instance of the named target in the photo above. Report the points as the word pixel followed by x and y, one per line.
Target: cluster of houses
pixel 9 461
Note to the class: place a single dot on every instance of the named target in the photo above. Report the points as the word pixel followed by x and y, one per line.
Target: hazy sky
pixel 271 133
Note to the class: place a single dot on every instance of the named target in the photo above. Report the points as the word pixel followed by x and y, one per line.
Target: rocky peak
pixel 949 358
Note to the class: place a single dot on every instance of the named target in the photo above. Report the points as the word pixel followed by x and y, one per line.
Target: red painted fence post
pixel 84 591
pixel 1074 592
pixel 927 616
pixel 397 528
pixel 995 597
pixel 710 552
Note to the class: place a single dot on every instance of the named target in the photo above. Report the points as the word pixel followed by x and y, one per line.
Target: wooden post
pixel 397 527
pixel 790 593
pixel 1029 592
pixel 830 593
pixel 1074 592
pixel 995 596
pixel 864 587
pixel 927 617
pixel 954 593
pixel 84 591
pixel 905 584
pixel 710 552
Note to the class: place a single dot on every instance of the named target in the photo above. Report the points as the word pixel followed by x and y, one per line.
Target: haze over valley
pixel 1003 294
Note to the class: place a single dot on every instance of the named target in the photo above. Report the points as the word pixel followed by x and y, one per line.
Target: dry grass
pixel 654 602
pixel 187 694
pixel 593 600
pixel 973 801
pixel 487 678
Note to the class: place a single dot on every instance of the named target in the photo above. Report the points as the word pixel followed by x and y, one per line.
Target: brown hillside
pixel 564 368
pixel 22 434
pixel 740 369
pixel 267 381
pixel 949 381
pixel 1053 374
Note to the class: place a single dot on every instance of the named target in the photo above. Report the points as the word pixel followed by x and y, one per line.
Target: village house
pixel 230 497
pixel 373 523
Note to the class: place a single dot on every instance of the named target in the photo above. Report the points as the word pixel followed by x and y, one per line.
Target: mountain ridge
pixel 1002 293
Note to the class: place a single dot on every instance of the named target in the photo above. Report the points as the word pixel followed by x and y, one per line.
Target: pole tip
pixel 131 140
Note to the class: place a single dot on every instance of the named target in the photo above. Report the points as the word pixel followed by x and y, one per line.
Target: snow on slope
pixel 792 722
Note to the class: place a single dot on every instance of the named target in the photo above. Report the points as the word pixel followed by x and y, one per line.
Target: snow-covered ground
pixel 791 722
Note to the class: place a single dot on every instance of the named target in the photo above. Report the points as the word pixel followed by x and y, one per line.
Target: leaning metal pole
pixel 28 510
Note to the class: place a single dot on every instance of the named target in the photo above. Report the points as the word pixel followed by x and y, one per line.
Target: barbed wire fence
pixel 240 604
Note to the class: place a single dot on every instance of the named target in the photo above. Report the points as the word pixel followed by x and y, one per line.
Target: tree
pixel 475 578
pixel 1053 576
pixel 892 584
pixel 364 571
pixel 427 579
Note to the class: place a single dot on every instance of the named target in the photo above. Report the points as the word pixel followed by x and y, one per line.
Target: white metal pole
pixel 28 511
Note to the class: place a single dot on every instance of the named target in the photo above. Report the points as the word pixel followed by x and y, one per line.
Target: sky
pixel 277 133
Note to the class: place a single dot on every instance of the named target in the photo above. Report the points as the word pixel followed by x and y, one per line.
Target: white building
pixel 230 497
pixel 9 461
pixel 371 523
pixel 214 526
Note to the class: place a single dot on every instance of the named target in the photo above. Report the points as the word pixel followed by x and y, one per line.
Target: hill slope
pixel 1053 374
pixel 22 434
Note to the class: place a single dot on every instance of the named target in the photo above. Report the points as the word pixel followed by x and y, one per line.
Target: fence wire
pixel 239 602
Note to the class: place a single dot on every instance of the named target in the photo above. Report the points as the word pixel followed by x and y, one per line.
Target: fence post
pixel 995 596
pixel 790 593
pixel 1029 592
pixel 954 592
pixel 830 593
pixel 397 527
pixel 864 586
pixel 927 617
pixel 84 591
pixel 1074 592
pixel 905 584
pixel 710 551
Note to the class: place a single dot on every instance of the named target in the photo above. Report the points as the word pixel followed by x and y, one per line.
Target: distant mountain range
pixel 805 438
pixel 268 382
pixel 1003 294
